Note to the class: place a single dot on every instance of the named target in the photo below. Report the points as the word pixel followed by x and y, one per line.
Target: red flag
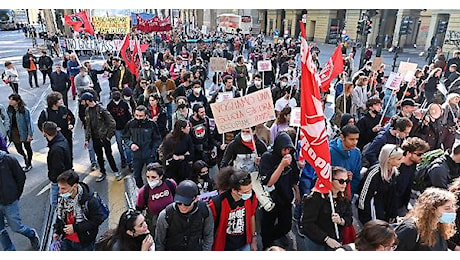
pixel 315 147
pixel 127 56
pixel 137 58
pixel 332 69
pixel 79 22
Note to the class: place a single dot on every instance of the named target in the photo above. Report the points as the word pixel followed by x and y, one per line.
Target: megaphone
pixel 263 195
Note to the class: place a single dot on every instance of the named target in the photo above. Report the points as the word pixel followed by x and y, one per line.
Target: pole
pixel 386 107
pixel 333 211
pixel 253 141
pixel 297 137
pixel 381 33
pixel 263 79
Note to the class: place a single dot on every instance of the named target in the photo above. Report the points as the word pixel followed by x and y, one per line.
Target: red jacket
pixel 220 234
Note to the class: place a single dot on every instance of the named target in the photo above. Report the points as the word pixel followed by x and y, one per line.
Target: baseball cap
pixel 186 192
pixel 127 92
pixel 409 102
pixel 87 96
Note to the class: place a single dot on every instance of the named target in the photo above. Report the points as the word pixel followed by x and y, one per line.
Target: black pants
pixel 14 87
pixel 28 158
pixel 44 73
pixel 98 144
pixel 68 136
pixel 33 73
pixel 65 97
pixel 282 216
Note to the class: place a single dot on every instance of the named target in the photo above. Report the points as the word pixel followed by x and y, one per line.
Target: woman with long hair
pixel 377 187
pixel 449 120
pixel 431 222
pixel 178 152
pixel 431 85
pixel 131 234
pixel 376 235
pixel 281 122
pixel 200 175
pixel 20 131
pixel 157 113
pixel 318 219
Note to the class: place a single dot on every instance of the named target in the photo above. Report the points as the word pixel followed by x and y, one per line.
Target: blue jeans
pixel 138 164
pixel 11 214
pixel 67 245
pixel 92 154
pixel 312 246
pixel 54 194
pixel 125 153
pixel 246 247
pixel 170 110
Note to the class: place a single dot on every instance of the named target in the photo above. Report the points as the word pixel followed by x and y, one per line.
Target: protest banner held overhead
pixel 111 25
pixel 238 113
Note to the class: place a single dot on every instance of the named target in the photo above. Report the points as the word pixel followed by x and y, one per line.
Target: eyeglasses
pixel 342 181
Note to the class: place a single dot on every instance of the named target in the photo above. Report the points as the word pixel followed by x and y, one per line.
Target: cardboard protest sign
pixel 250 110
pixel 394 81
pixel 264 65
pixel 376 63
pixel 407 70
pixel 218 64
pixel 295 117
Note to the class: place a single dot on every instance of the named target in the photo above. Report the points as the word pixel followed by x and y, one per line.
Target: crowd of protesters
pixel 198 189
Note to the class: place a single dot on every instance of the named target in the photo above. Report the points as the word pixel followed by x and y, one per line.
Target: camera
pixel 263 195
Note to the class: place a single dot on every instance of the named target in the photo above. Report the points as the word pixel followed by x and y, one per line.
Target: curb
pixel 130 191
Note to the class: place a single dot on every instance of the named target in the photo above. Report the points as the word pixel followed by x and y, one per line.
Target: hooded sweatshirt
pixel 348 159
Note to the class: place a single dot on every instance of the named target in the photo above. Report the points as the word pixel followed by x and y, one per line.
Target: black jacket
pixel 270 160
pixel 121 113
pixel 144 134
pixel 60 82
pixel 26 61
pixel 237 147
pixel 93 75
pixel 443 172
pixel 87 229
pixel 58 159
pixel 63 117
pixel 373 150
pixel 45 63
pixel 12 179
pixel 104 123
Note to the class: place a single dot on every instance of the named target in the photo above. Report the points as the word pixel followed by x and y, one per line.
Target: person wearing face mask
pixel 183 111
pixel 256 85
pixel 430 223
pixel 121 113
pixel 243 145
pixel 147 72
pixel 143 137
pixel 187 224
pixel 197 96
pixel 154 196
pixel 127 96
pixel 206 184
pixel 277 91
pixel 131 234
pixel 199 69
pixel 78 214
pixel 234 211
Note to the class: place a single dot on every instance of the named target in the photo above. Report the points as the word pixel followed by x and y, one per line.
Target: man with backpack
pixel 79 213
pixel 187 224
pixel 444 169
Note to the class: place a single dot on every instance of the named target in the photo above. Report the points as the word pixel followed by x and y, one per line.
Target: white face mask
pixel 246 137
pixel 147 67
pixel 153 183
pixel 197 90
pixel 284 84
pixel 127 98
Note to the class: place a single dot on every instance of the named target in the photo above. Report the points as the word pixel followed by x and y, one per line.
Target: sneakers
pixel 35 242
pixel 101 177
pixel 93 167
pixel 27 168
pixel 118 176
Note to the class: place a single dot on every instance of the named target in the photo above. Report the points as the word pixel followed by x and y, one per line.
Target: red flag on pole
pixel 79 22
pixel 127 55
pixel 332 69
pixel 315 147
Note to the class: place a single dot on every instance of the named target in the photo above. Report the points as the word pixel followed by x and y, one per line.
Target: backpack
pixel 421 181
pixel 202 210
pixel 102 205
pixel 147 187
pixel 217 201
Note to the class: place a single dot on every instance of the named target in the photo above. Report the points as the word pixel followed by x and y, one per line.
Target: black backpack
pixel 421 181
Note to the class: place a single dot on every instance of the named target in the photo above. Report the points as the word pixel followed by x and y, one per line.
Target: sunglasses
pixel 419 154
pixel 131 213
pixel 342 181
pixel 183 204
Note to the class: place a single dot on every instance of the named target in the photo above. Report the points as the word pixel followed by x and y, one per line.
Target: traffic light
pixel 406 26
pixel 442 26
pixel 360 27
pixel 368 28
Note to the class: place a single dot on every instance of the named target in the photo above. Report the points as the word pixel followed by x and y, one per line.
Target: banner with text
pixel 111 25
pixel 99 45
pixel 250 110
pixel 295 117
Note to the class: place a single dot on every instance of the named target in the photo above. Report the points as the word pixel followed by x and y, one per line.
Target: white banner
pixel 99 45
pixel 295 117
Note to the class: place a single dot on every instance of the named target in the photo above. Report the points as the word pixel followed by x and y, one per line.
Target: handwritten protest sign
pixel 376 63
pixel 407 70
pixel 218 64
pixel 394 81
pixel 243 112
pixel 111 25
pixel 295 117
pixel 222 96
pixel 264 65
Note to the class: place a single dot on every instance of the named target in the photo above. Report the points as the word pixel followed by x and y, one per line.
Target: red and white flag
pixel 132 59
pixel 332 69
pixel 313 136
pixel 79 22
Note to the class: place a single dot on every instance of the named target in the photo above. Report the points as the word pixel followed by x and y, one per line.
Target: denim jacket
pixel 24 123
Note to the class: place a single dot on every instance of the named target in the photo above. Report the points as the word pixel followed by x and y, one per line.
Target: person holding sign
pixel 256 85
pixel 286 100
pixel 197 96
pixel 229 91
pixel 431 86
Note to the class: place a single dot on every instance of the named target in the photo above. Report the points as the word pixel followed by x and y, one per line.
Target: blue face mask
pixel 447 217
pixel 245 196
pixel 66 195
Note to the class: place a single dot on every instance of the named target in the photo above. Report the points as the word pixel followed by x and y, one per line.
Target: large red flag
pixel 332 69
pixel 79 22
pixel 127 55
pixel 315 147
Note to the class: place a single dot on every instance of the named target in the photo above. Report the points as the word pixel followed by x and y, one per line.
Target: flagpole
pixel 253 141
pixel 333 212
pixel 386 107
pixel 297 137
